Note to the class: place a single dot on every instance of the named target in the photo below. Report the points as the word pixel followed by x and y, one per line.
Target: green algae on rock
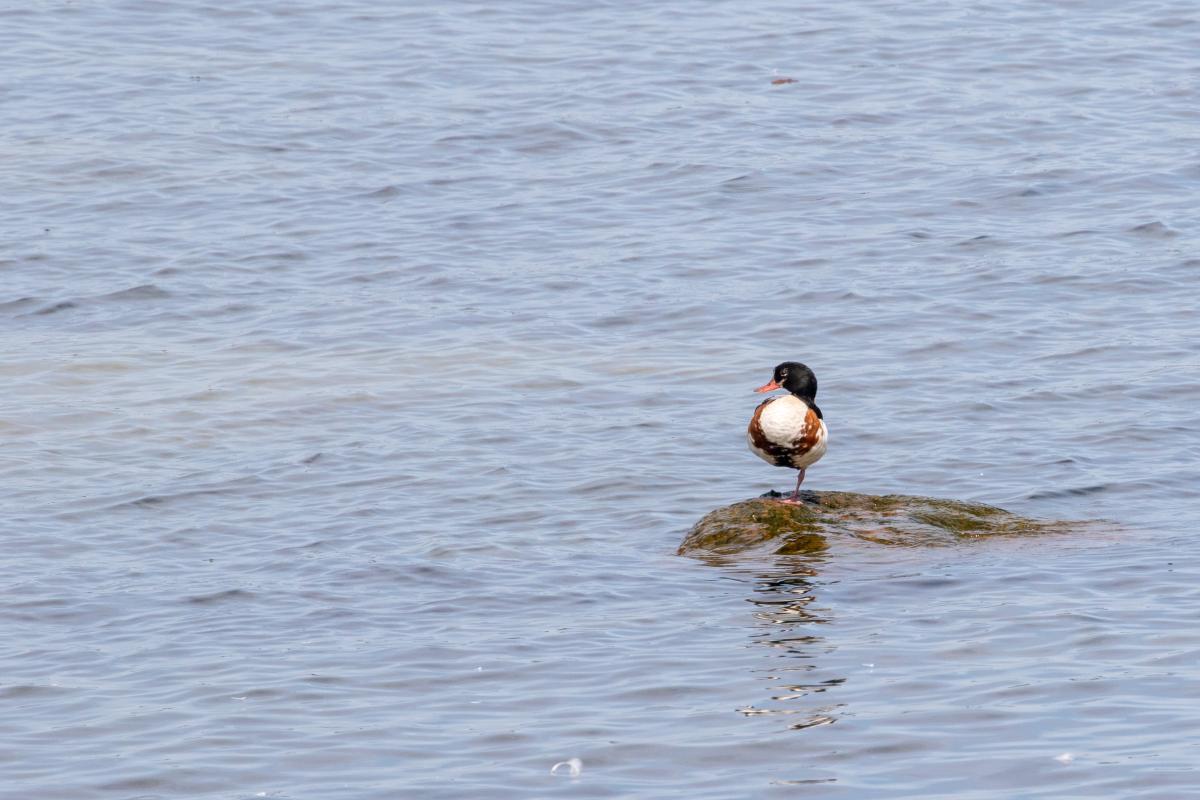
pixel 768 526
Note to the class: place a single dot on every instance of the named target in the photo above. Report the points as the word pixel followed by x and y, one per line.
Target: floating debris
pixel 573 765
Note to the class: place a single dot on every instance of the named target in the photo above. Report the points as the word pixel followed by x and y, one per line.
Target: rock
pixel 765 525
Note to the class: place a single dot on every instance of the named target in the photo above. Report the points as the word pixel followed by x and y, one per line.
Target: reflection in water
pixel 795 540
pixel 787 621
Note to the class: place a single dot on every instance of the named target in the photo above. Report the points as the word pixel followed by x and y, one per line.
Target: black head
pixel 797 379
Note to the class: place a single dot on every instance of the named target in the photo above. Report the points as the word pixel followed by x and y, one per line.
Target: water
pixel 364 366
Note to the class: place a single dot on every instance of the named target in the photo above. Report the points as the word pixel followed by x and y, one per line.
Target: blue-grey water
pixel 364 363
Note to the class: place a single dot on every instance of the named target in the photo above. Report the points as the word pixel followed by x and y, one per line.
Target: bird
pixel 789 430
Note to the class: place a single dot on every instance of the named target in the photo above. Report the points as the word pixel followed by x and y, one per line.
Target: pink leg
pixel 795 498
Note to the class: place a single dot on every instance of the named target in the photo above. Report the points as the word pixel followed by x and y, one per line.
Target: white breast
pixel 784 423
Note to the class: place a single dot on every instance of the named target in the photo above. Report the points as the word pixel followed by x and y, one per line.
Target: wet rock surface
pixel 768 525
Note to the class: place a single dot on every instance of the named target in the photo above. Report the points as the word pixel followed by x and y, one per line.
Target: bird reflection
pixel 788 620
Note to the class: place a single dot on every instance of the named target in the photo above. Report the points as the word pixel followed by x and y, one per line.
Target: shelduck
pixel 789 430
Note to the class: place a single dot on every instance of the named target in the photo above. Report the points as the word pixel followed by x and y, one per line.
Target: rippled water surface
pixel 365 363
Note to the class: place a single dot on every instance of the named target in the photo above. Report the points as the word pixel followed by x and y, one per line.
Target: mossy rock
pixel 769 526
